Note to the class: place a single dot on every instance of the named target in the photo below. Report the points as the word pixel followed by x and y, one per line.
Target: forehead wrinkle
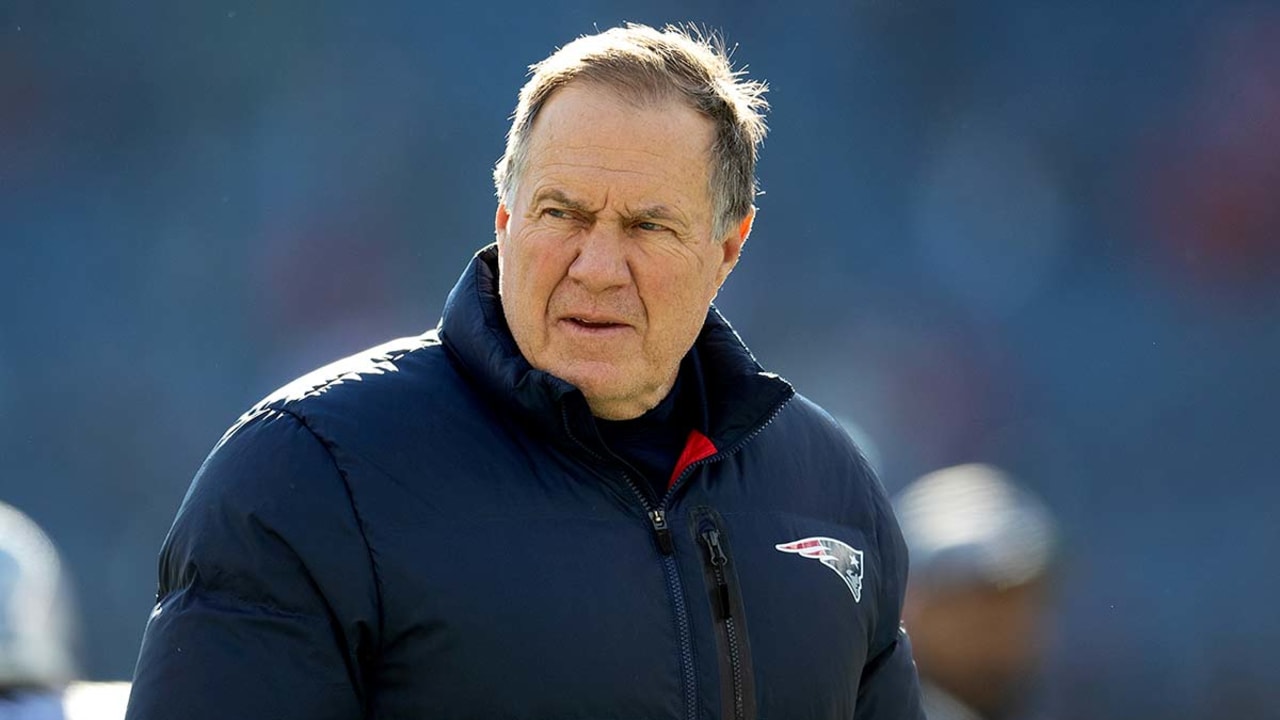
pixel 609 150
pixel 554 145
pixel 592 166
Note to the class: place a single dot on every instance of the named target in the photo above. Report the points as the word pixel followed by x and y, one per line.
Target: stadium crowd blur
pixel 1045 236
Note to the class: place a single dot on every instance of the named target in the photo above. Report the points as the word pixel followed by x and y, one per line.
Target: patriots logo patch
pixel 845 561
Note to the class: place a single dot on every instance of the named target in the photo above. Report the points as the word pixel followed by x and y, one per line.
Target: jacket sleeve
pixel 889 688
pixel 267 604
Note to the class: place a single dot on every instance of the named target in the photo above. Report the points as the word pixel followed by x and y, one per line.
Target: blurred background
pixel 1041 235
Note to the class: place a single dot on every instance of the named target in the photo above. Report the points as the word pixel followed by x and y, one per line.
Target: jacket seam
pixel 355 511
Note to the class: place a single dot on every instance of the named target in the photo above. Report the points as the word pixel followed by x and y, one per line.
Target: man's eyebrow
pixel 558 196
pixel 659 212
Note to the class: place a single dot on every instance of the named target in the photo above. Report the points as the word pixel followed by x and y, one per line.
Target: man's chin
pixel 611 396
pixel 600 390
pixel 601 378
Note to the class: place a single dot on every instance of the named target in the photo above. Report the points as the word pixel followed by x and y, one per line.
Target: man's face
pixel 607 263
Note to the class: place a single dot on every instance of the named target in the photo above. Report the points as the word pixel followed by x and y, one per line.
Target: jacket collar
pixel 740 396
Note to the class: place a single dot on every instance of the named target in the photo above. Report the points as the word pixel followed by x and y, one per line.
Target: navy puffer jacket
pixel 432 529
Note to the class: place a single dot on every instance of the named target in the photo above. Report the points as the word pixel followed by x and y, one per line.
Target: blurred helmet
pixel 972 523
pixel 35 617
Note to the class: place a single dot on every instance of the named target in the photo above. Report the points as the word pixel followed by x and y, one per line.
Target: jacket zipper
pixel 675 590
pixel 662 533
pixel 724 615
pixel 666 546
pixel 719 561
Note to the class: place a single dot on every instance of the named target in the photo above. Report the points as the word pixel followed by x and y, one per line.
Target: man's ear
pixel 732 246
pixel 500 219
pixel 744 227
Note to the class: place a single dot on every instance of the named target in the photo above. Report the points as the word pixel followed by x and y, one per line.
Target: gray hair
pixel 647 66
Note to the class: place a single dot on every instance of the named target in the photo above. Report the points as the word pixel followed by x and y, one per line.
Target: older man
pixel 580 497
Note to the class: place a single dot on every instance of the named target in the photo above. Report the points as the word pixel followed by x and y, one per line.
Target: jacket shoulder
pixel 825 470
pixel 396 361
pixel 397 378
pixel 390 411
pixel 817 435
pixel 825 441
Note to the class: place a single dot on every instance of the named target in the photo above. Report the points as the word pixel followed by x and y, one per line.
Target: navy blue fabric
pixel 652 443
pixel 433 529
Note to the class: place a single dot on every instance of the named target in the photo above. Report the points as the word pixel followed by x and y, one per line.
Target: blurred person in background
pixel 982 550
pixel 579 497
pixel 37 666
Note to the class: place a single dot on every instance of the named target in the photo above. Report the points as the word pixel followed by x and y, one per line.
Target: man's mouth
pixel 595 323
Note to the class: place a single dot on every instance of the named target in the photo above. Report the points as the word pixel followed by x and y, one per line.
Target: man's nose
pixel 601 262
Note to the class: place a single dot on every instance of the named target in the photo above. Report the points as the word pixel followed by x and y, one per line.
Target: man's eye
pixel 651 227
pixel 557 213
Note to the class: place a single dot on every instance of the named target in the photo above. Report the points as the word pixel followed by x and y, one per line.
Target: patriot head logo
pixel 844 560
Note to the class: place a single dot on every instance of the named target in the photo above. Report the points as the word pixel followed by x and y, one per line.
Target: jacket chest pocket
pixel 793 605
pixel 723 593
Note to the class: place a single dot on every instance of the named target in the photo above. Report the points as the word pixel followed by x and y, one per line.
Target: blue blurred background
pixel 1043 235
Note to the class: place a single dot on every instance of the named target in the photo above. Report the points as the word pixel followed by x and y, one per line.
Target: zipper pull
pixel 662 532
pixel 718 561
pixel 712 539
